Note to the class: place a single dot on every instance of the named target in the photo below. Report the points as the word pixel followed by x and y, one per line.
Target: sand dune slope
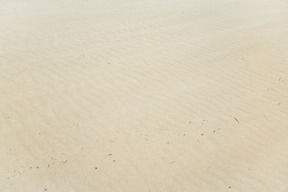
pixel 143 95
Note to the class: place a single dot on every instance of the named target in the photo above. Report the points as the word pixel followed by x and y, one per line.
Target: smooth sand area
pixel 143 95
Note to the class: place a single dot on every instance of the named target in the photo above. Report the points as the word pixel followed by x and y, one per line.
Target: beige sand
pixel 143 95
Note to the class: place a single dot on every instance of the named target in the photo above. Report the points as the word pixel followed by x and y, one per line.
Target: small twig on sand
pixel 236 120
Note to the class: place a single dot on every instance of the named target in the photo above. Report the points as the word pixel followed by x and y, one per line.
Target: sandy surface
pixel 143 95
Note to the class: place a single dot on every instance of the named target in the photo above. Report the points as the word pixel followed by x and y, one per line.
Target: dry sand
pixel 143 95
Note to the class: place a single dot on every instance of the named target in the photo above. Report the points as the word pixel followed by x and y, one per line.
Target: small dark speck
pixel 202 134
pixel 37 167
pixel 229 187
pixel 65 161
pixel 236 119
pixel 114 161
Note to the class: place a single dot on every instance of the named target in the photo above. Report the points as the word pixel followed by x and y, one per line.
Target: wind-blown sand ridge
pixel 143 95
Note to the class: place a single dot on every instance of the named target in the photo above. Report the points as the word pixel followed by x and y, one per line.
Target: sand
pixel 142 95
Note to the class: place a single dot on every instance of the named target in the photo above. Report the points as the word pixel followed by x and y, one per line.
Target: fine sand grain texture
pixel 143 95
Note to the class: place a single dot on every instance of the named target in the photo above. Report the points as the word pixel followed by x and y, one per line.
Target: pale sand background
pixel 145 91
